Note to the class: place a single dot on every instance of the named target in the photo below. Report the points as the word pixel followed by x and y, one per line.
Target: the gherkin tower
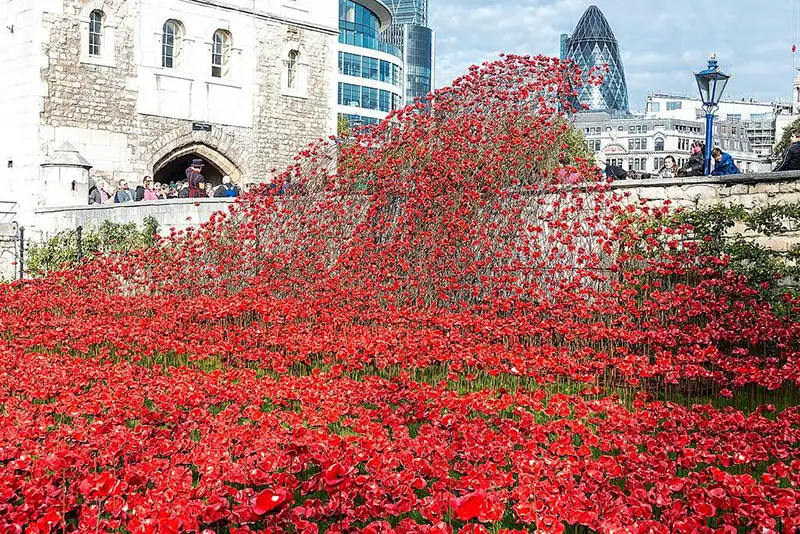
pixel 593 45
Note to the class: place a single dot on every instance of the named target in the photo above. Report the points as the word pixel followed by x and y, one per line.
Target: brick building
pixel 140 87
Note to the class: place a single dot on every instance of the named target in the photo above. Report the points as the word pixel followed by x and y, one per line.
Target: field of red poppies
pixel 438 329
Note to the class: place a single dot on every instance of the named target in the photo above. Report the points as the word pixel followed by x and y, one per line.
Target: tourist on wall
pixel 149 191
pixel 94 193
pixel 696 166
pixel 172 190
pixel 791 158
pixel 160 190
pixel 209 190
pixel 123 193
pixel 138 193
pixel 724 163
pixel 227 189
pixel 183 190
pixel 195 179
pixel 670 168
pixel 106 197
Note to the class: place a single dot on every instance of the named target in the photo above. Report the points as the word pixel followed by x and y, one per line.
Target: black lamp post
pixel 711 82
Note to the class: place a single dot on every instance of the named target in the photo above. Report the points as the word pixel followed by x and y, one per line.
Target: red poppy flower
pixel 469 506
pixel 269 500
pixel 335 475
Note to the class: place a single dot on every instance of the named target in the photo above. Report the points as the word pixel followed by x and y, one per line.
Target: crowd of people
pixel 194 186
pixel 694 166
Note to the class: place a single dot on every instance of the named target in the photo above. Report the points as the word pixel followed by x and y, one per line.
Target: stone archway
pixel 171 166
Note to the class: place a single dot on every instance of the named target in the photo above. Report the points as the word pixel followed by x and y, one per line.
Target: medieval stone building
pixel 140 87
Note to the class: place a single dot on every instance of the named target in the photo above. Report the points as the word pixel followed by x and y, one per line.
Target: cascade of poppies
pixel 446 321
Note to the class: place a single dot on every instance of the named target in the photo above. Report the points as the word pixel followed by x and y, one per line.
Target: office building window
pixel 349 95
pixel 386 72
pixel 672 106
pixel 370 68
pixel 351 64
pixel 659 145
pixel 369 98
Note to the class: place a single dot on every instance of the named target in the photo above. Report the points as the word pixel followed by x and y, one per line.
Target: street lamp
pixel 711 83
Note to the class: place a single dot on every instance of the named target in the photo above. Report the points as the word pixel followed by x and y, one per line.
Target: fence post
pixel 79 229
pixel 21 252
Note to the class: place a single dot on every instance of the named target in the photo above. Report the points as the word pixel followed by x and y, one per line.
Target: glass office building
pixel 411 34
pixel 564 46
pixel 371 75
pixel 593 45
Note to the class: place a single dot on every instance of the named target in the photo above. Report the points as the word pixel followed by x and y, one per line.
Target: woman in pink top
pixel 149 192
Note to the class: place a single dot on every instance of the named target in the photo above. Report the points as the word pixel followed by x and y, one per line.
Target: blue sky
pixel 662 41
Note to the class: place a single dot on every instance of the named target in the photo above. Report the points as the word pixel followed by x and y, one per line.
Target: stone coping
pixel 727 181
pixel 135 205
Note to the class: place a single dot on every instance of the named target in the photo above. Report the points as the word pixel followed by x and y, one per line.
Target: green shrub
pixel 61 250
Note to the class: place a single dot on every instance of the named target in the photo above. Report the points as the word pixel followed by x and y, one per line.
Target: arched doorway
pixel 172 167
pixel 175 171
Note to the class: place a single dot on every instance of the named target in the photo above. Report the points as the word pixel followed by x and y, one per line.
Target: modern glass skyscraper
pixel 564 46
pixel 409 11
pixel 593 45
pixel 371 77
pixel 410 32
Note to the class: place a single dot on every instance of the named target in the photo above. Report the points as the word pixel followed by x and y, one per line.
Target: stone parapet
pixel 179 213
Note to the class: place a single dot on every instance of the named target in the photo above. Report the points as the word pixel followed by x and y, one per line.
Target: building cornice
pixel 330 30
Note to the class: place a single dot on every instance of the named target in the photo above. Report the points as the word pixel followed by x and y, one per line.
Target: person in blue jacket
pixel 724 163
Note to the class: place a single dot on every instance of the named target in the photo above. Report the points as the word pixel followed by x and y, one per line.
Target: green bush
pixel 61 250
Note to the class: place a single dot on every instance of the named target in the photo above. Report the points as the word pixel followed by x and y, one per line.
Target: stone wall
pixel 178 214
pixel 751 191
pixel 748 190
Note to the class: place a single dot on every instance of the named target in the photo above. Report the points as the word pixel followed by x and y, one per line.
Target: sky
pixel 662 41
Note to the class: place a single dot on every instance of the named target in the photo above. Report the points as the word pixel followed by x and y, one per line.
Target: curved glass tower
pixel 593 45
pixel 370 69
pixel 410 32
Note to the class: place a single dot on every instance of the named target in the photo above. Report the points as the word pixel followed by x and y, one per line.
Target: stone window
pixel 171 43
pixel 294 74
pixel 659 144
pixel 95 32
pixel 97 28
pixel 291 69
pixel 220 54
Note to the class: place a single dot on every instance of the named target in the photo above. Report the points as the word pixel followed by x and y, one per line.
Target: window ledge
pixel 294 94
pixel 224 83
pixel 172 73
pixel 98 61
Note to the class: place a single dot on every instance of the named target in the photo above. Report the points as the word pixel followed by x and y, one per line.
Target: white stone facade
pixel 641 144
pixel 114 98
pixel 760 119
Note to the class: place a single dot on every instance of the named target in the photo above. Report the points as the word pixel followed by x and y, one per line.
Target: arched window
pixel 95 32
pixel 291 69
pixel 220 54
pixel 171 36
pixel 659 144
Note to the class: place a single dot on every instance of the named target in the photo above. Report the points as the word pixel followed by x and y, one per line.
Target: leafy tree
pixel 343 126
pixel 61 250
pixel 786 139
